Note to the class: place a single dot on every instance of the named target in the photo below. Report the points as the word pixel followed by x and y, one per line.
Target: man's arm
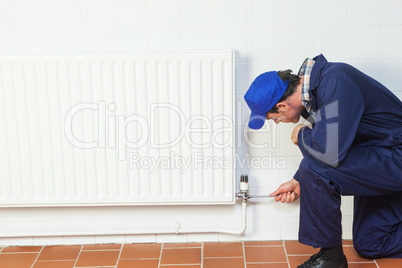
pixel 341 107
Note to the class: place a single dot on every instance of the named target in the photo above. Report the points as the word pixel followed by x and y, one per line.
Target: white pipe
pixel 239 231
pixel 176 231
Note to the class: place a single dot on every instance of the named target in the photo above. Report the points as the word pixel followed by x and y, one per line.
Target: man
pixel 354 147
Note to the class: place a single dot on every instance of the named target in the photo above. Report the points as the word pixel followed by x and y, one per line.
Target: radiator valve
pixel 243 187
pixel 244 183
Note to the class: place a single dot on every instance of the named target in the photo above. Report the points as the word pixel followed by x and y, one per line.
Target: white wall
pixel 266 35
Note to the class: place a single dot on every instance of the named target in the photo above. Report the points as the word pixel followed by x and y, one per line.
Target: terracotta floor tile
pixel 347 242
pixel 59 253
pixel 389 262
pixel 352 255
pixel 262 243
pixel 265 254
pixel 150 263
pixel 136 251
pixel 21 249
pixel 223 263
pixel 182 245
pixel 54 264
pixel 181 266
pixel 102 247
pixel 294 261
pixel 258 254
pixel 97 258
pixel 267 265
pixel 181 256
pixel 296 248
pixel 23 260
pixel 223 249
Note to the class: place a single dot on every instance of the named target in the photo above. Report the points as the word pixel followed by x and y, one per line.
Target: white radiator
pixel 117 129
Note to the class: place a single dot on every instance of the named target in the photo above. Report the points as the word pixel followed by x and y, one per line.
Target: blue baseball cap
pixel 263 94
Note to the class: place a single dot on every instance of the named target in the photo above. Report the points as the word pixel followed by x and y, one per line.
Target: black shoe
pixel 322 261
pixel 316 256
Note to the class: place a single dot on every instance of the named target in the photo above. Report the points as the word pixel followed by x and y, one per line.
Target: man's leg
pixel 377 226
pixel 364 172
pixel 320 215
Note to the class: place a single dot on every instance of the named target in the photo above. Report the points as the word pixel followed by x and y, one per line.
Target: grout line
pixel 36 259
pixel 286 253
pixel 360 262
pixel 76 260
pixel 160 255
pixel 13 253
pixel 46 261
pixel 118 258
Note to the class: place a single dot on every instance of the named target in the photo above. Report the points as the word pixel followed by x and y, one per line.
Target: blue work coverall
pixel 354 148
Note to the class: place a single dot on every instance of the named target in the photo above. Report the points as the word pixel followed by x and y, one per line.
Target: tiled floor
pixel 262 254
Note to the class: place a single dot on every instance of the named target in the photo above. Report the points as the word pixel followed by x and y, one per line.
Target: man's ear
pixel 282 106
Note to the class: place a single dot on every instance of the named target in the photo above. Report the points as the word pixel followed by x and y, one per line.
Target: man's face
pixel 289 110
pixel 285 115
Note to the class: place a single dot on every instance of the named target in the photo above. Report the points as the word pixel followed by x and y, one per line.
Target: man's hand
pixel 287 192
pixel 295 133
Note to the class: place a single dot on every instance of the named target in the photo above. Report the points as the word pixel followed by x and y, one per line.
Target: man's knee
pixel 372 248
pixel 364 249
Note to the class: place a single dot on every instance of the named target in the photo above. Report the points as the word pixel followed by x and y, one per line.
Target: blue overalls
pixel 354 148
